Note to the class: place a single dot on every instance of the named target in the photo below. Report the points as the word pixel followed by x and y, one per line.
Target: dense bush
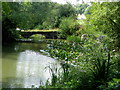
pixel 74 38
pixel 68 26
pixel 87 10
pixel 87 65
pixel 9 32
pixel 104 18
pixel 39 27
pixel 37 37
pixel 81 8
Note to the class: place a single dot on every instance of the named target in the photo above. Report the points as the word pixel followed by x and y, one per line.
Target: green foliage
pixel 91 62
pixel 9 24
pixel 87 10
pixel 26 15
pixel 88 64
pixel 33 15
pixel 68 26
pixel 67 10
pixel 114 84
pixel 100 61
pixel 105 18
pixel 40 15
pixel 37 37
pixel 39 27
pixel 54 71
pixel 74 38
pixel 82 8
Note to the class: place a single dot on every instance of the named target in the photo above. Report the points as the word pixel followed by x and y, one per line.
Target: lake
pixel 23 65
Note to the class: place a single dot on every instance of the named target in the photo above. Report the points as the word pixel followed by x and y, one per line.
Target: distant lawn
pixel 36 30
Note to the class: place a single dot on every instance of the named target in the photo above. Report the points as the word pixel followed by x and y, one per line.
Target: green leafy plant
pixel 37 37
pixel 74 38
pixel 68 26
pixel 90 62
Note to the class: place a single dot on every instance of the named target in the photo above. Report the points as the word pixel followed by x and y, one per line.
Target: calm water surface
pixel 23 65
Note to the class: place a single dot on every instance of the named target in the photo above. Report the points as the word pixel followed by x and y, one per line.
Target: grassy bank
pixel 90 64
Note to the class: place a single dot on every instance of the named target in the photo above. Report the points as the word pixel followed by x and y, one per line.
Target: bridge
pixel 49 34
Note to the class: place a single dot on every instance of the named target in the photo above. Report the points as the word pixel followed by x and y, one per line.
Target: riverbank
pixel 80 61
pixel 86 65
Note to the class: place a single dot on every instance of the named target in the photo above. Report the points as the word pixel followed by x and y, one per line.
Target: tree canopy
pixel 105 17
pixel 33 15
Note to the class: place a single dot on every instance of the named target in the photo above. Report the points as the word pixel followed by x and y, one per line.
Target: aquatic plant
pixel 85 65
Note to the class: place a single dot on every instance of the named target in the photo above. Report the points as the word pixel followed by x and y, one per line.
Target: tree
pixel 87 10
pixel 81 8
pixel 67 10
pixel 32 15
pixel 68 27
pixel 8 24
pixel 105 17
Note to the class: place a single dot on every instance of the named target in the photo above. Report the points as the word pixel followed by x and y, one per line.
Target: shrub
pixel 93 59
pixel 73 38
pixel 39 27
pixel 36 37
pixel 21 37
pixel 68 26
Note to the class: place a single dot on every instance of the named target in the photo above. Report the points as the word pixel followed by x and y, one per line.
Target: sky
pixel 64 1
pixel 58 1
pixel 71 1
pixel 80 1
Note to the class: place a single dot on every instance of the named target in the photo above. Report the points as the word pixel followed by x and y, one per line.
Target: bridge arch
pixel 48 35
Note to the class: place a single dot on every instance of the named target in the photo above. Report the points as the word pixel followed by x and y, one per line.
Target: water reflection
pixel 30 46
pixel 26 67
pixel 31 66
